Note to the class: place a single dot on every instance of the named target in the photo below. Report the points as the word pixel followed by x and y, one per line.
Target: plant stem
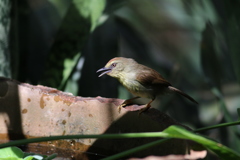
pixel 217 126
pixel 136 149
pixel 103 136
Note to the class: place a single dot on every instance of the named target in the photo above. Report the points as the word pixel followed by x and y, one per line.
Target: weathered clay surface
pixel 36 111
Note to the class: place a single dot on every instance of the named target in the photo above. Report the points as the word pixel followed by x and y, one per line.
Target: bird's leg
pixel 147 107
pixel 126 102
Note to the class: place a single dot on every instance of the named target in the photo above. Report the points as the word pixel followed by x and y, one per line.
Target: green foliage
pixel 91 9
pixel 80 19
pixel 11 153
pixel 5 19
pixel 14 153
pixel 171 132
pixel 219 149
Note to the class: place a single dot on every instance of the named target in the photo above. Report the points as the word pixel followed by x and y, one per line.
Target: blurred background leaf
pixel 5 20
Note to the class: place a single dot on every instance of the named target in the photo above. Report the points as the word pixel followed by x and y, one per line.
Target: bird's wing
pixel 150 77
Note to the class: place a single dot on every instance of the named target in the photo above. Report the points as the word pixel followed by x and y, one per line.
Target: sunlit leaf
pixel 11 152
pixel 90 9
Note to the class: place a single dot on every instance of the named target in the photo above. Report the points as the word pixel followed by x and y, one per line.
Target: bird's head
pixel 116 67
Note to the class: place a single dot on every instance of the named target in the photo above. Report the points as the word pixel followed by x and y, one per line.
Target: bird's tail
pixel 182 93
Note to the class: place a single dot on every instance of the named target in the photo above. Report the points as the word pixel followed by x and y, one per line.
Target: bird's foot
pixel 144 109
pixel 120 107
pixel 147 107
pixel 125 103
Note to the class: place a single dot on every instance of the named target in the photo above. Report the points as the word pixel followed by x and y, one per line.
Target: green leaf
pixel 28 158
pixel 69 64
pixel 219 149
pixel 11 158
pixel 90 9
pixel 11 153
pixel 37 157
pixel 33 156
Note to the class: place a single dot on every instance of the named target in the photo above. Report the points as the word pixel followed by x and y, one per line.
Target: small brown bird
pixel 140 80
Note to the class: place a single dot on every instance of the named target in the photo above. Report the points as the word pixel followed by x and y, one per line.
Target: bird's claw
pixel 144 109
pixel 120 107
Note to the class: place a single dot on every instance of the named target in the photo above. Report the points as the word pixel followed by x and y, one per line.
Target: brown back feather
pixel 150 77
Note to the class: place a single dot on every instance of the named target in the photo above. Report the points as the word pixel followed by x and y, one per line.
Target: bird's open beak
pixel 104 71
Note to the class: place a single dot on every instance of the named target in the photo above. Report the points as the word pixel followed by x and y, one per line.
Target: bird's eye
pixel 113 64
